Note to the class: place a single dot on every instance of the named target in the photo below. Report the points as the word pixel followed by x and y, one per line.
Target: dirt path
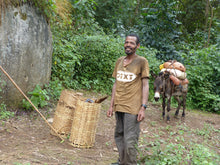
pixel 26 139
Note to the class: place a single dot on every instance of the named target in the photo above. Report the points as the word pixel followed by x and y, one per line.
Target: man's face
pixel 130 45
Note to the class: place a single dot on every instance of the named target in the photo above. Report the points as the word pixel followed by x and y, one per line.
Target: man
pixel 129 98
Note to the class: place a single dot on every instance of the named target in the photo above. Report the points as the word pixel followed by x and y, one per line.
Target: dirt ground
pixel 26 139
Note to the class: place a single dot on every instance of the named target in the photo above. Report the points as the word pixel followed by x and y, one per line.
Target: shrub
pixel 54 88
pixel 203 72
pixel 39 98
pixel 154 63
pixel 99 54
pixel 87 62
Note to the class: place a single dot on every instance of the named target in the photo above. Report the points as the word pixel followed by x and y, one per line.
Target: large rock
pixel 25 51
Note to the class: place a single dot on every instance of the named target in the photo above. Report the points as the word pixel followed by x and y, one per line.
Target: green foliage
pixel 191 41
pixel 169 26
pixel 23 164
pixel 159 28
pixel 206 131
pixel 99 55
pixel 203 72
pixel 54 88
pixel 197 155
pixel 39 98
pixel 106 18
pixel 86 61
pixel 181 146
pixel 181 155
pixel 83 16
pixel 113 15
pixel 193 14
pixel 46 7
pixel 65 56
pixel 150 55
pixel 84 56
pixel 82 61
pixel 4 114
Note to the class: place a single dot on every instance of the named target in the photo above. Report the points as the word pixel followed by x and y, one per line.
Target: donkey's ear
pixel 153 74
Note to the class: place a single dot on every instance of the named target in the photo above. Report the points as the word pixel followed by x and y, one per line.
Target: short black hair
pixel 137 38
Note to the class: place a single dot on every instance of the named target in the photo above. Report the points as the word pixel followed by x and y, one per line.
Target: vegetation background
pixel 88 37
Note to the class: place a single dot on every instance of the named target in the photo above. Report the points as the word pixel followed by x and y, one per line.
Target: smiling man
pixel 129 98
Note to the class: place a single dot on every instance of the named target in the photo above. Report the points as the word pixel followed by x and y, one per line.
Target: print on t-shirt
pixel 125 76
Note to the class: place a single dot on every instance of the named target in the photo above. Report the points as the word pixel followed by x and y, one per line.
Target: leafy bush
pixel 54 88
pixel 39 98
pixel 88 61
pixel 83 16
pixel 85 61
pixel 203 72
pixel 159 28
pixel 99 54
pixel 65 56
pixel 154 63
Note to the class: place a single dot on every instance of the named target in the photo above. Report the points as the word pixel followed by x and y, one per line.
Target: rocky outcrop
pixel 25 51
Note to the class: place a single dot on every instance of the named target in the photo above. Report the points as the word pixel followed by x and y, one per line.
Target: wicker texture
pixel 84 124
pixel 63 116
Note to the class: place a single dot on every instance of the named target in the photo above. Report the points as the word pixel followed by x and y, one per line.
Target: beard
pixel 129 50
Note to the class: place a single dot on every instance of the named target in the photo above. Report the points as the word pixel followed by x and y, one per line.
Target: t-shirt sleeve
pixel 145 69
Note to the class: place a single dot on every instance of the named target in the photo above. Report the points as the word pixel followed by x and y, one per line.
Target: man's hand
pixel 110 112
pixel 141 114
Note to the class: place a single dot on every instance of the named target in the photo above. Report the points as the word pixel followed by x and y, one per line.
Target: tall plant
pixel 159 28
pixel 116 16
pixel 86 61
pixel 200 22
pixel 203 72
pixel 83 14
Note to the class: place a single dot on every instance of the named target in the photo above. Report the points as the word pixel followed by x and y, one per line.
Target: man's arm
pixel 110 111
pixel 145 94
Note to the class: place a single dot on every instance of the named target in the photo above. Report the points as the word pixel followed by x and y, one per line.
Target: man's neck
pixel 131 56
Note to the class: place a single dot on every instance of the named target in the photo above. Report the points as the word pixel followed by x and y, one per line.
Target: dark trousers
pixel 126 137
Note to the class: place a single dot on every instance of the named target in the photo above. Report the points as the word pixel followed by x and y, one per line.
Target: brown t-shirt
pixel 128 95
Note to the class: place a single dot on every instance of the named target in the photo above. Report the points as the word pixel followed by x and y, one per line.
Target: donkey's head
pixel 159 83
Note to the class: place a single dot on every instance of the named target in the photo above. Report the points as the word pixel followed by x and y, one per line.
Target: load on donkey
pixel 171 81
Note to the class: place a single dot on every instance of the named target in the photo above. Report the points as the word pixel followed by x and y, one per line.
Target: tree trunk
pixel 206 15
pixel 210 26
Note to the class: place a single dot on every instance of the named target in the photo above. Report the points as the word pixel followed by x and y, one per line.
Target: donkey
pixel 164 86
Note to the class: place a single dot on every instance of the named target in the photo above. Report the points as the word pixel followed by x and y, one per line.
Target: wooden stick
pixel 30 102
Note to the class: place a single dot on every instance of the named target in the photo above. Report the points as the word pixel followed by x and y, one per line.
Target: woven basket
pixel 84 124
pixel 63 116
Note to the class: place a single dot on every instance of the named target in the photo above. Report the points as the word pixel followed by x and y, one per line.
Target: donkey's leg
pixel 164 106
pixel 179 105
pixel 168 108
pixel 184 105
